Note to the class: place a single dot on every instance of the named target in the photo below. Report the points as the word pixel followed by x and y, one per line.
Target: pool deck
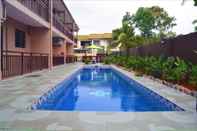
pixel 17 94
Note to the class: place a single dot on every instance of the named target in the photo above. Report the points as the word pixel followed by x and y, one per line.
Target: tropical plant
pixel 170 69
pixel 115 36
pixel 126 37
pixel 193 76
pixel 87 61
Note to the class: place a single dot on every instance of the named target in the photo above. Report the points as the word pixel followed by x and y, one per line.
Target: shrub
pixel 193 76
pixel 87 61
pixel 171 69
pixel 107 60
pixel 175 70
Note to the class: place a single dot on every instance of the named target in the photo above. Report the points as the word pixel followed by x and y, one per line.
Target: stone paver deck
pixel 17 94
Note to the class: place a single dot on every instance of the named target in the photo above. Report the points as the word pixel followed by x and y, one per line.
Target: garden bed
pixel 173 72
pixel 187 89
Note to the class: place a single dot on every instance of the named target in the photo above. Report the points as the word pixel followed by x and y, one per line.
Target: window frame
pixel 20 38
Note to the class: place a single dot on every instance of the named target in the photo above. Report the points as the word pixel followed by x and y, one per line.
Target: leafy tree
pixel 195 23
pixel 163 22
pixel 143 20
pixel 153 23
pixel 195 2
pixel 126 17
pixel 152 20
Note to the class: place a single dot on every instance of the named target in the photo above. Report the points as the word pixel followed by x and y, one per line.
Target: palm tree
pixel 126 37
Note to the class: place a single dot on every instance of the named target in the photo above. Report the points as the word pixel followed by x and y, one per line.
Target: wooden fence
pixel 184 46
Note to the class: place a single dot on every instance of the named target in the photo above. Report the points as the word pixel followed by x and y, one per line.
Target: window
pixel 19 39
pixel 1 45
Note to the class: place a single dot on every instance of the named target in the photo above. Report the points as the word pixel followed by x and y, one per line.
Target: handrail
pixel 40 7
pixel 25 52
pixel 62 27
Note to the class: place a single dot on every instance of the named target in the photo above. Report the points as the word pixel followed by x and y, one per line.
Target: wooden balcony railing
pixel 62 27
pixel 17 63
pixel 40 7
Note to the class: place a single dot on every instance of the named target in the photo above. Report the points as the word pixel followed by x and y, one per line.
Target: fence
pixel 18 63
pixel 184 46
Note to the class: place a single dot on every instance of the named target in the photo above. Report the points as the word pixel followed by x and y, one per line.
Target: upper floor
pixel 102 40
pixel 42 13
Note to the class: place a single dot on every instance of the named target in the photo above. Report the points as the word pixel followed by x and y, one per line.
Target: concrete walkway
pixel 17 94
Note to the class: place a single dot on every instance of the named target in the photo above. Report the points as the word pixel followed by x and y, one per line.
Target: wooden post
pixel 51 34
pixel 22 55
pixel 31 62
pixel 1 46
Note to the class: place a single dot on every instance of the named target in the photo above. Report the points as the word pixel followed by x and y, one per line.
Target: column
pixel 51 34
pixel 1 17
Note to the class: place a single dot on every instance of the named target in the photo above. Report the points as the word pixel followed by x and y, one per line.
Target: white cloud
pixel 97 16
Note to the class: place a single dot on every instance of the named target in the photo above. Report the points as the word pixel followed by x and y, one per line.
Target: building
pixel 101 40
pixel 35 34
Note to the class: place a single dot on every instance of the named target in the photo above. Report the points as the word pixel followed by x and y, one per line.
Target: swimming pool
pixel 102 89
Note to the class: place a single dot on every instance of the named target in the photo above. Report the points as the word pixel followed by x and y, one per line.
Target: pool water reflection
pixel 103 89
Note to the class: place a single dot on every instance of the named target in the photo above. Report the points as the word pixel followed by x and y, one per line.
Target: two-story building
pixel 35 34
pixel 100 40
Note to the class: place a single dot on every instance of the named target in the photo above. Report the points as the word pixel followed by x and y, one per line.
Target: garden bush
pixel 193 76
pixel 171 69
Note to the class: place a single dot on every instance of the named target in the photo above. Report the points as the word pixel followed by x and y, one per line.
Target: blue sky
pixel 99 16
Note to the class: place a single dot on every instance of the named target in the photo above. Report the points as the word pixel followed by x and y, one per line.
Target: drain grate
pixel 30 76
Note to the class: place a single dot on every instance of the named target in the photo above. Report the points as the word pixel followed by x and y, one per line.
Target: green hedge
pixel 171 69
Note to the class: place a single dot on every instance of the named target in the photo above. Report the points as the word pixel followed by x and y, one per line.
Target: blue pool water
pixel 102 89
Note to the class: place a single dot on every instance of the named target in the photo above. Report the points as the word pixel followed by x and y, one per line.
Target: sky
pixel 101 16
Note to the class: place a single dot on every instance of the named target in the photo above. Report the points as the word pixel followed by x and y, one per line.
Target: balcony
pixel 40 7
pixel 62 27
